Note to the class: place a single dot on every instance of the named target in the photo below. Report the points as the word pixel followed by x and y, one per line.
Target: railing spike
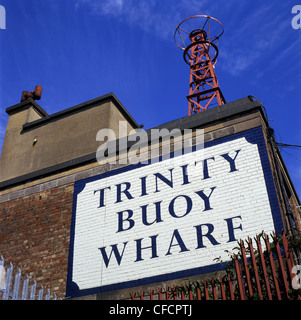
pixel 40 294
pixel 8 280
pixel 25 288
pixel 33 290
pixel 47 297
pixel 16 289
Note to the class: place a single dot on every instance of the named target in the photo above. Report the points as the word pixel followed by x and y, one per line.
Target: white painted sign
pixel 171 218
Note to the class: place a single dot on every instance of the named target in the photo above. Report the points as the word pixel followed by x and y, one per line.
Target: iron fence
pixel 263 271
pixel 10 285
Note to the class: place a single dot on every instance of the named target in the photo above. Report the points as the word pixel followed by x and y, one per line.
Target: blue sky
pixel 78 50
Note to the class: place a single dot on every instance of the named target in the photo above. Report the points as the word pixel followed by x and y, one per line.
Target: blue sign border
pixel 254 136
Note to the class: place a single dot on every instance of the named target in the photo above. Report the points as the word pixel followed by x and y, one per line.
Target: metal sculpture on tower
pixel 198 36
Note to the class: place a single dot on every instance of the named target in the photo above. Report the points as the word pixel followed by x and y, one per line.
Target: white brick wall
pixel 239 193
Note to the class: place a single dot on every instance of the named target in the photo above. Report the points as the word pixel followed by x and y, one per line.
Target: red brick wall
pixel 35 233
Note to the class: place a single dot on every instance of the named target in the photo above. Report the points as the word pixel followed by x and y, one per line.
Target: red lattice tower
pixel 200 52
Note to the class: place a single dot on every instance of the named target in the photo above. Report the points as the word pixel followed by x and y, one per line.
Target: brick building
pixel 96 230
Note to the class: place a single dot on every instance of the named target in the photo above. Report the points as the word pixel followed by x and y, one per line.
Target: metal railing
pixel 10 290
pixel 264 271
